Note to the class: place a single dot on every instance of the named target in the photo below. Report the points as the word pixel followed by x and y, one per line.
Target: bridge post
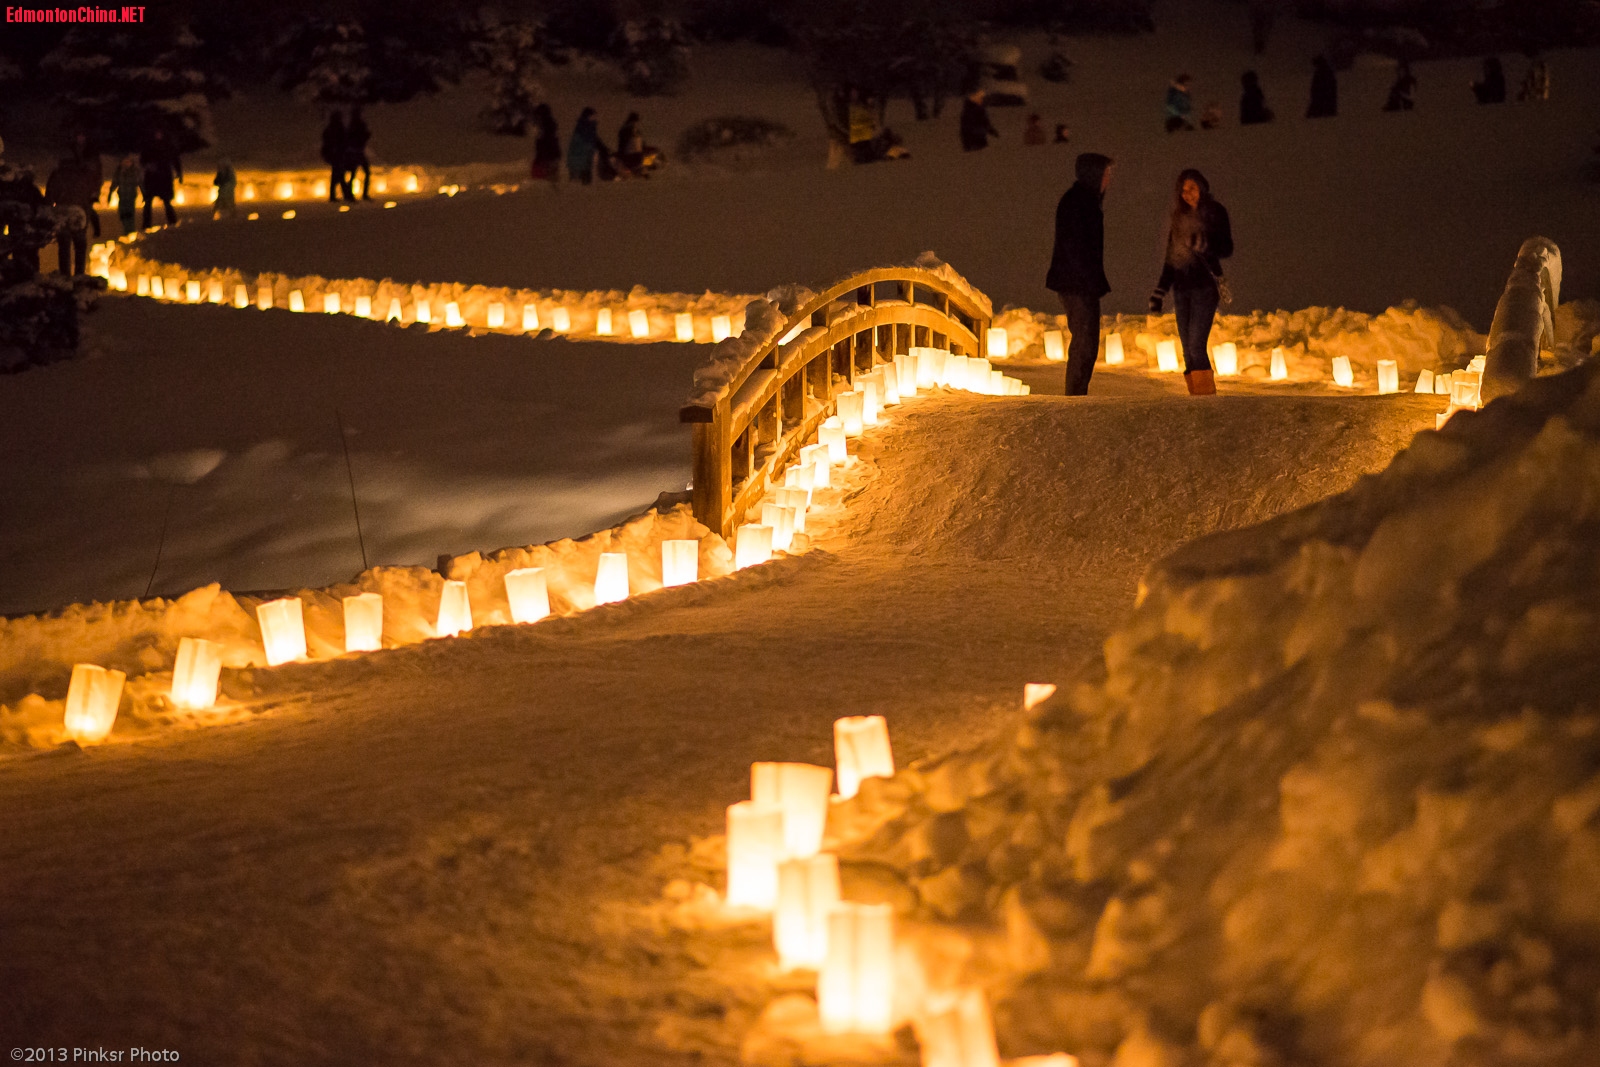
pixel 713 479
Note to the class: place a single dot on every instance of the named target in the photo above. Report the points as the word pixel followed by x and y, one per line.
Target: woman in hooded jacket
pixel 1199 238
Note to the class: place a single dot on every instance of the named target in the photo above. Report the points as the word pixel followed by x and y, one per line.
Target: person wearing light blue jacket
pixel 1179 104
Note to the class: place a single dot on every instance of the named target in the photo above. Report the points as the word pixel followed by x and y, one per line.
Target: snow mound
pixel 1416 338
pixel 141 637
pixel 124 265
pixel 1332 795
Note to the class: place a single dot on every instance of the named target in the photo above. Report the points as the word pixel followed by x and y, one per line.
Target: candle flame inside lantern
pixel 530 317
pixel 455 610
pixel 955 1030
pixel 752 546
pixel 905 374
pixel 1425 381
pixel 283 630
pixel 297 300
pixel 264 298
pixel 1167 356
pixel 639 323
pixel 721 327
pixel 363 622
pixel 92 698
pixel 801 791
pixel 289 214
pixel 755 847
pixel 119 280
pixel 561 320
pixel 870 390
pixel 1280 364
pixel 528 591
pixel 496 316
pixel 191 292
pixel 174 289
pixel 214 291
pixel 320 189
pixel 1225 357
pixel 249 192
pixel 1114 353
pixel 1343 375
pixel 1036 693
pixel 1442 383
pixel 861 750
pixel 683 326
pixel 412 185
pixel 452 314
pixel 364 307
pixel 395 312
pixel 854 987
pixel 1388 376
pixel 850 414
pixel 195 674
pixel 157 287
pixel 1055 347
pixel 330 303
pixel 178 199
pixel 680 562
pixel 424 312
pixel 807 891
pixel 241 297
pixel 611 578
pixel 997 346
pixel 602 322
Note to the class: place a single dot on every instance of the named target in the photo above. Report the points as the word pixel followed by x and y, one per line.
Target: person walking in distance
pixel 162 168
pixel 585 147
pixel 125 180
pixel 1324 90
pixel 1179 104
pixel 356 136
pixel 1491 88
pixel 1199 238
pixel 1253 109
pixel 976 129
pixel 333 154
pixel 1402 94
pixel 1077 265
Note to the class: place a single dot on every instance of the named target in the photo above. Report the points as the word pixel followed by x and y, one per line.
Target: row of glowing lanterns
pixel 285 189
pixel 213 291
pixel 1225 362
pixel 776 866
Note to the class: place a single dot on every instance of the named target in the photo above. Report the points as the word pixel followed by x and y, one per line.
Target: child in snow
pixel 125 181
pixel 1211 117
pixel 976 129
pixel 1178 104
pixel 1199 238
pixel 226 182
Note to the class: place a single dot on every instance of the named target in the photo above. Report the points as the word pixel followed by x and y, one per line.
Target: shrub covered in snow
pixel 1331 796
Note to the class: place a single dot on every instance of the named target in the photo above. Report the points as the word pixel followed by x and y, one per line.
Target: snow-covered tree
pixel 512 51
pixel 653 52
pixel 350 58
pixel 121 85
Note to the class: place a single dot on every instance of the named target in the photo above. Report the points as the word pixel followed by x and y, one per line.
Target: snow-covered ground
pixel 457 849
pixel 442 850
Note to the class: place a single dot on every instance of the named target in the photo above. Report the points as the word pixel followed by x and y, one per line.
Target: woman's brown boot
pixel 1201 383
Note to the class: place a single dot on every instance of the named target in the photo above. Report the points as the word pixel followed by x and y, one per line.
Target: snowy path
pixel 425 855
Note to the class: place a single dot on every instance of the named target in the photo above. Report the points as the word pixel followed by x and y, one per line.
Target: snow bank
pixel 1416 338
pixel 1331 796
pixel 141 637
pixel 128 270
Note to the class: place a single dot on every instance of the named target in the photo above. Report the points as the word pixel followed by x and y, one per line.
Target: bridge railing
pixel 775 400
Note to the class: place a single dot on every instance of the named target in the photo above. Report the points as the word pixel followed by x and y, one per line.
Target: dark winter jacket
pixel 546 138
pixel 1198 240
pixel 72 183
pixel 976 129
pixel 1077 264
pixel 161 168
pixel 1324 91
pixel 356 136
pixel 1253 107
pixel 334 141
pixel 585 145
pixel 1492 89
pixel 126 182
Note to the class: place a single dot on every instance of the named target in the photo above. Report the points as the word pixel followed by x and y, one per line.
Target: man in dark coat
pixel 1077 265
pixel 976 129
pixel 73 184
pixel 356 136
pixel 1324 90
pixel 162 167
pixel 335 153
